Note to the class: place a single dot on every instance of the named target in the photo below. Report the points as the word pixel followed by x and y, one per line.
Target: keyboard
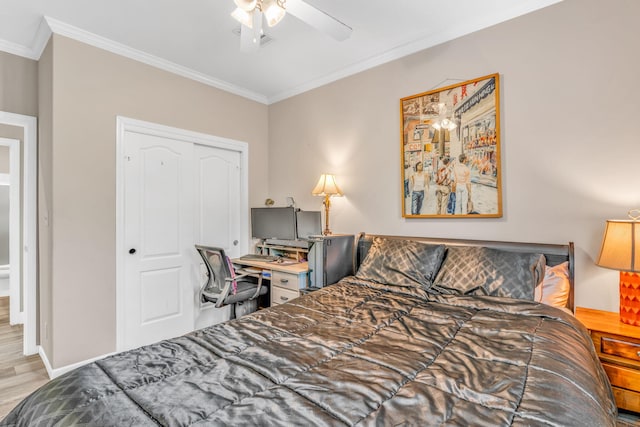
pixel 258 257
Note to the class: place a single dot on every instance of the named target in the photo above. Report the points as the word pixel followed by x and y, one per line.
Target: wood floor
pixel 19 375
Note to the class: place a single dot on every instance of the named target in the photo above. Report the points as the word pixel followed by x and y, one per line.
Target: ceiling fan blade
pixel 318 19
pixel 250 37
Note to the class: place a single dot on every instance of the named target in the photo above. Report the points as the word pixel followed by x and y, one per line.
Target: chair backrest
pixel 217 287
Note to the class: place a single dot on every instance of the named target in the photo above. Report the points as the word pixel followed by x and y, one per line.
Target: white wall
pixel 569 141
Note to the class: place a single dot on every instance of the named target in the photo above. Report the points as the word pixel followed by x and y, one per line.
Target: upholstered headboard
pixel 554 254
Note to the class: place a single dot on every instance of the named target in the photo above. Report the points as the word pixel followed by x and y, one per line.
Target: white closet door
pixel 217 216
pixel 158 224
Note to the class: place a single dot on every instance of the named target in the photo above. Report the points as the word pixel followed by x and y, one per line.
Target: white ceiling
pixel 195 37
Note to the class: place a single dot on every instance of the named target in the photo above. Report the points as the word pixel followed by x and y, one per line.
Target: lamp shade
pixel 326 186
pixel 619 242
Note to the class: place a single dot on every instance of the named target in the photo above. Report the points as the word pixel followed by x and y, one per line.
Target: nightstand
pixel 618 347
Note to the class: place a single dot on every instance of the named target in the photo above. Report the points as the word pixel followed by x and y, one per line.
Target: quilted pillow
pixel 473 270
pixel 555 286
pixel 401 262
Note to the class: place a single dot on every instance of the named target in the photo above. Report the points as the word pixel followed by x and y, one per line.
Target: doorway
pixel 10 231
pixel 26 215
pixel 175 188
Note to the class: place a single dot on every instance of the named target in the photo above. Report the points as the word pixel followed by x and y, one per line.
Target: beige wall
pixel 18 84
pixel 90 88
pixel 570 148
pixel 45 159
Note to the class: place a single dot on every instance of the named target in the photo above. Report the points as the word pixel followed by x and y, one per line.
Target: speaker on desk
pixel 330 259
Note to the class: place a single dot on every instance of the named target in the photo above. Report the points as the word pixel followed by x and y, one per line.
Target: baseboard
pixel 45 361
pixel 53 373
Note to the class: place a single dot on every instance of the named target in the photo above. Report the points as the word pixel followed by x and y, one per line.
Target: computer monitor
pixel 273 223
pixel 308 223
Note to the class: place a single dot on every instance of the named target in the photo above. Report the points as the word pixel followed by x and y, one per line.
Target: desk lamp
pixel 621 251
pixel 326 187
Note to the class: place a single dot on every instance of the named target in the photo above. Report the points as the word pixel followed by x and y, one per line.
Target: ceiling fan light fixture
pixel 273 11
pixel 448 124
pixel 243 17
pixel 246 5
pixel 445 123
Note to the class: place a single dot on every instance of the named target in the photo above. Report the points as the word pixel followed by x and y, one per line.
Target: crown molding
pixel 39 42
pixel 41 38
pixel 414 46
pixel 17 49
pixel 66 30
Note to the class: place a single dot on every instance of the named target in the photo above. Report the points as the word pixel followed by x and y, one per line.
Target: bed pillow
pixel 555 286
pixel 401 262
pixel 471 270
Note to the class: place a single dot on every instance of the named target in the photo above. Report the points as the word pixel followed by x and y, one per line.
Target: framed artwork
pixel 450 151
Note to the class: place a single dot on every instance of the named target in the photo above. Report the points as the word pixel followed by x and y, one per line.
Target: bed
pixel 428 332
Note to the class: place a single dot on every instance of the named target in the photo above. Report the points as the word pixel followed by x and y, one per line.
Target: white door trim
pixel 29 223
pixel 16 316
pixel 125 124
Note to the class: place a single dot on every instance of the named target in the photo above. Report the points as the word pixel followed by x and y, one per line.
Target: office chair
pixel 224 287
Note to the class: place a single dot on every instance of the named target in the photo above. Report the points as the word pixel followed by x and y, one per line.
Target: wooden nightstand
pixel 618 347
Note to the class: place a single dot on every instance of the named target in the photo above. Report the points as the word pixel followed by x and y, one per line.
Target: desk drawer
pixel 622 377
pixel 280 295
pixel 627 399
pixel 286 280
pixel 620 347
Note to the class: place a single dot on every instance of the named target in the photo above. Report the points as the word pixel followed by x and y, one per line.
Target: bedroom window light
pixel 327 187
pixel 620 251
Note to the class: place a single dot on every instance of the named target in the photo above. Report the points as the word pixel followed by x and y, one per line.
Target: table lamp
pixel 620 251
pixel 326 187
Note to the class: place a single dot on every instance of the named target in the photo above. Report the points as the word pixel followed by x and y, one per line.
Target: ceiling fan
pixel 250 14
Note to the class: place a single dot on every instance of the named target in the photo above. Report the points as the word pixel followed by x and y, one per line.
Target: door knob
pixel 132 251
pixel 235 243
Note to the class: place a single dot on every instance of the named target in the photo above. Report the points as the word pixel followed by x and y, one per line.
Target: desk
pixel 286 279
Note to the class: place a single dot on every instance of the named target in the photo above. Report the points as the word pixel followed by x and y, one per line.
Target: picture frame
pixel 450 151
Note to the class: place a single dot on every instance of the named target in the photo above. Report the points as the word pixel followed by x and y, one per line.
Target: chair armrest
pixel 238 276
pixel 257 294
pixel 230 280
pixel 220 297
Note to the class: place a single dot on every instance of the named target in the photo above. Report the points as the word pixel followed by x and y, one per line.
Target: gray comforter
pixel 355 353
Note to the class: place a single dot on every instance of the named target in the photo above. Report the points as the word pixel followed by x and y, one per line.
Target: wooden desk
pixel 618 348
pixel 286 279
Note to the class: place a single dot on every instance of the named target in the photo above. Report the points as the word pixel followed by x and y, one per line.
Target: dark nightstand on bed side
pixel 618 347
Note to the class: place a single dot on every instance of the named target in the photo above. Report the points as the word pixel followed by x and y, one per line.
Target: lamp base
pixel 630 298
pixel 327 206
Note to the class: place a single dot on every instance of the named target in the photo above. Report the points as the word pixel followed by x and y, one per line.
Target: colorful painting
pixel 450 151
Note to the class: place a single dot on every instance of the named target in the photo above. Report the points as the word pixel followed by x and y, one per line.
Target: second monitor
pixel 308 223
